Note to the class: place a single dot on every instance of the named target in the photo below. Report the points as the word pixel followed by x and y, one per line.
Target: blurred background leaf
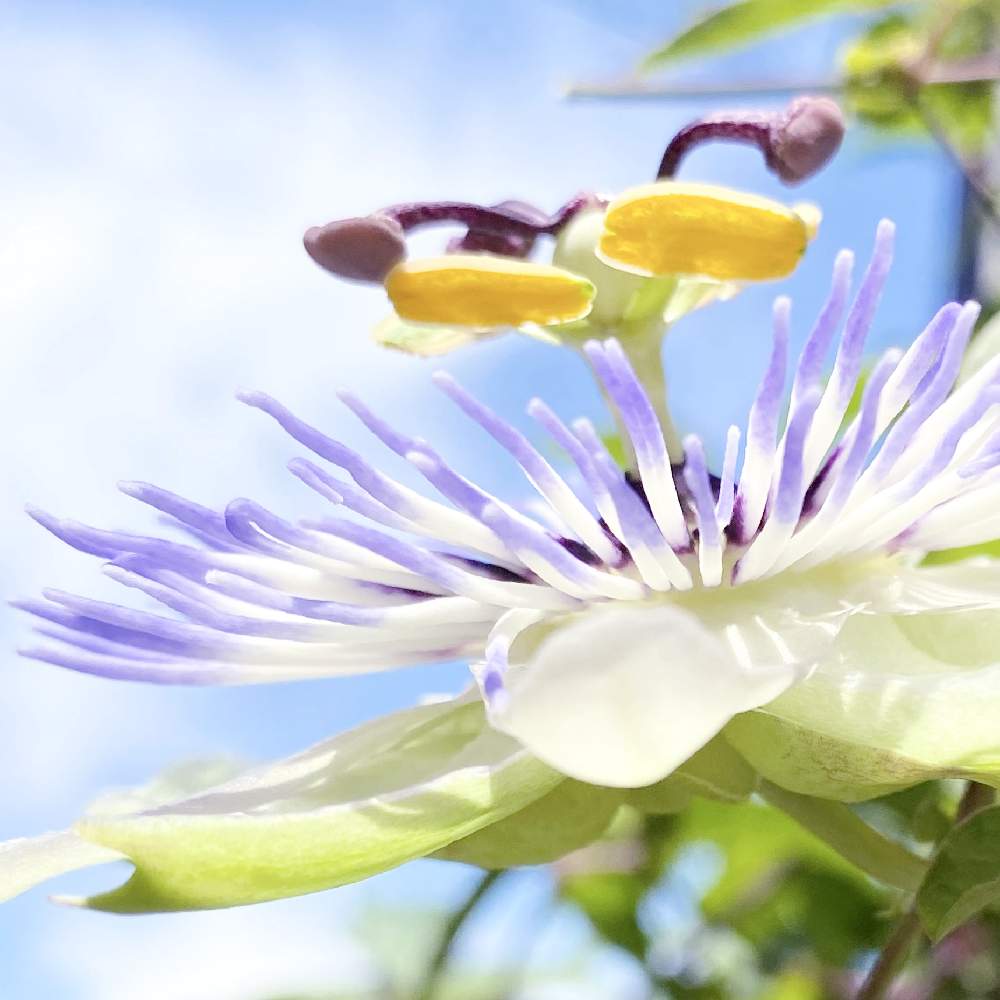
pixel 745 22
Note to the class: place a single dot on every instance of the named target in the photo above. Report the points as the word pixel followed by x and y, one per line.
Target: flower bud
pixel 362 249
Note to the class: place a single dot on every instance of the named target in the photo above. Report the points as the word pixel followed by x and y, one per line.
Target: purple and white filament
pixel 392 577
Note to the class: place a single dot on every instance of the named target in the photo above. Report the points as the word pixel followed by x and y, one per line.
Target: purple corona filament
pixel 393 577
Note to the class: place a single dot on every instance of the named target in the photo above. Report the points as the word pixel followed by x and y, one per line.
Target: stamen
pixel 485 292
pixel 669 228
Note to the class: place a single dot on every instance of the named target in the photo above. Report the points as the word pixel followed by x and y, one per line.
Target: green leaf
pixel 742 23
pixel 794 984
pixel 965 111
pixel 919 813
pixel 877 85
pixel 570 816
pixel 965 876
pixel 395 789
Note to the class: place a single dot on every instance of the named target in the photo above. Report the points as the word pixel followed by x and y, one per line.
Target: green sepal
pixel 570 816
pixel 398 788
pixel 813 763
pixel 692 293
pixel 716 771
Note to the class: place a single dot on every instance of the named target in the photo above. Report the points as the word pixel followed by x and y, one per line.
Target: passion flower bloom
pixel 785 603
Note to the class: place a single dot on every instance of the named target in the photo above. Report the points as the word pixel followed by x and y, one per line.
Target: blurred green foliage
pixel 799 907
pixel 739 24
pixel 922 65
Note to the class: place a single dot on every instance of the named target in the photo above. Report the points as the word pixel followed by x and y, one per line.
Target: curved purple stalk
pixel 796 142
pixel 506 218
pixel 752 128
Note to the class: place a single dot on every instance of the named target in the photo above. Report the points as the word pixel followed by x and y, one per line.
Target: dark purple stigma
pixel 796 142
pixel 367 248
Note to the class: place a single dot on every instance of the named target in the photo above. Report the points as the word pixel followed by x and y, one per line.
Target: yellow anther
pixel 699 229
pixel 482 291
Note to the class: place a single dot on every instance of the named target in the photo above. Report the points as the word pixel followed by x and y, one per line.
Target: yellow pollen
pixel 483 291
pixel 700 229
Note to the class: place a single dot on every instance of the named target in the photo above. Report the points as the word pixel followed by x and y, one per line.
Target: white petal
pixel 623 696
pixel 907 590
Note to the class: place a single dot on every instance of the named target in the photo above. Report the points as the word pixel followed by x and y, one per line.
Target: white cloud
pixel 153 192
pixel 284 949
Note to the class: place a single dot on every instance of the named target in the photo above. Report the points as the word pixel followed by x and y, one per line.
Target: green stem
pixel 892 958
pixel 851 837
pixel 908 930
pixel 434 976
pixel 976 69
pixel 976 797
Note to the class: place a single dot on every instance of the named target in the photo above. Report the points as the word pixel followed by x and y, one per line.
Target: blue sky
pixel 158 167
